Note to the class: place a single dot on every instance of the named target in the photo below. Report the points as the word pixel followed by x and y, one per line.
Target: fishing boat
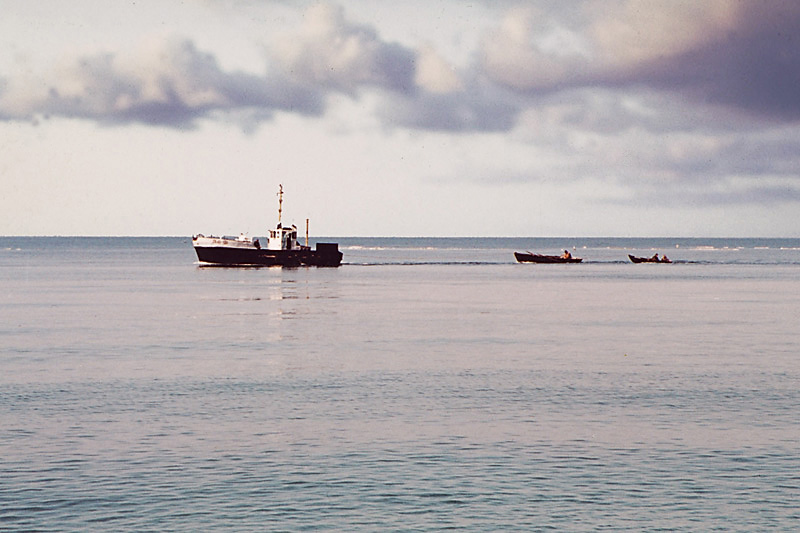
pixel 282 248
pixel 530 257
pixel 654 259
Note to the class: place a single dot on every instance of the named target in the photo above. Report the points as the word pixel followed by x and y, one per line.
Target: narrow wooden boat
pixel 529 257
pixel 654 259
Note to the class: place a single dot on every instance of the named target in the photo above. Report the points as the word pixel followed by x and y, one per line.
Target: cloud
pixel 731 192
pixel 689 168
pixel 434 74
pixel 478 108
pixel 632 33
pixel 168 83
pixel 706 62
pixel 173 83
pixel 743 55
pixel 328 51
pixel 753 67
pixel 529 52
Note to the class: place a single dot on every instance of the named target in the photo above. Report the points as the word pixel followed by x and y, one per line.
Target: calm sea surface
pixel 426 384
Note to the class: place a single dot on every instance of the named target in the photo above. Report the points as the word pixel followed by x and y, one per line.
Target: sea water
pixel 425 384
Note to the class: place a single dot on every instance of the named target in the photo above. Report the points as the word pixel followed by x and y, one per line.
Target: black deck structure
pixel 325 255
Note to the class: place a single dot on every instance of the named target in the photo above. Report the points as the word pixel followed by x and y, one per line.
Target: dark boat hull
pixel 325 255
pixel 635 259
pixel 539 258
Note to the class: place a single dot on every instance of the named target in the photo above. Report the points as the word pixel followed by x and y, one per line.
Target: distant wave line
pixel 698 248
pixel 574 265
pixel 423 263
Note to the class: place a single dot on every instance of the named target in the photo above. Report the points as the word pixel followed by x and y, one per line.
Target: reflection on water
pixel 153 395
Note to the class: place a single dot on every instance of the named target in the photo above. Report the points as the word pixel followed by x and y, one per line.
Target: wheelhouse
pixel 282 238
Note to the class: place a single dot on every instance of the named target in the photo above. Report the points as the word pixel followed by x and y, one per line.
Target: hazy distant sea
pixel 426 384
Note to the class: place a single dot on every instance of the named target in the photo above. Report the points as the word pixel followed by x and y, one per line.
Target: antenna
pixel 280 203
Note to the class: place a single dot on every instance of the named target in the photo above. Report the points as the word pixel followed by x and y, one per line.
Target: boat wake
pixel 423 263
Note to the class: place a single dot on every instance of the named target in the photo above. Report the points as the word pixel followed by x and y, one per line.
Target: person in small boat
pixel 665 259
pixel 566 255
pixel 655 258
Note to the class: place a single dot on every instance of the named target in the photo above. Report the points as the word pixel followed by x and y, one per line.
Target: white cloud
pixel 434 74
pixel 629 33
pixel 529 52
pixel 329 51
pixel 169 83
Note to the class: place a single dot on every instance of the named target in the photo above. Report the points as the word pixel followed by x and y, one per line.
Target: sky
pixel 414 118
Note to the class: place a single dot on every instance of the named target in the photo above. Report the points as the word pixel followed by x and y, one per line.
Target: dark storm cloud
pixel 754 66
pixel 743 55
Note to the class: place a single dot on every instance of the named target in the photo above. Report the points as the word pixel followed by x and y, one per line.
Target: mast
pixel 280 203
pixel 306 232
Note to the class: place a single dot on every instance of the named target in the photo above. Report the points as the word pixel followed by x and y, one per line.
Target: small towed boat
pixel 654 259
pixel 529 257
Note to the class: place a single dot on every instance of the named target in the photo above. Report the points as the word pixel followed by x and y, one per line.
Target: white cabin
pixel 282 238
